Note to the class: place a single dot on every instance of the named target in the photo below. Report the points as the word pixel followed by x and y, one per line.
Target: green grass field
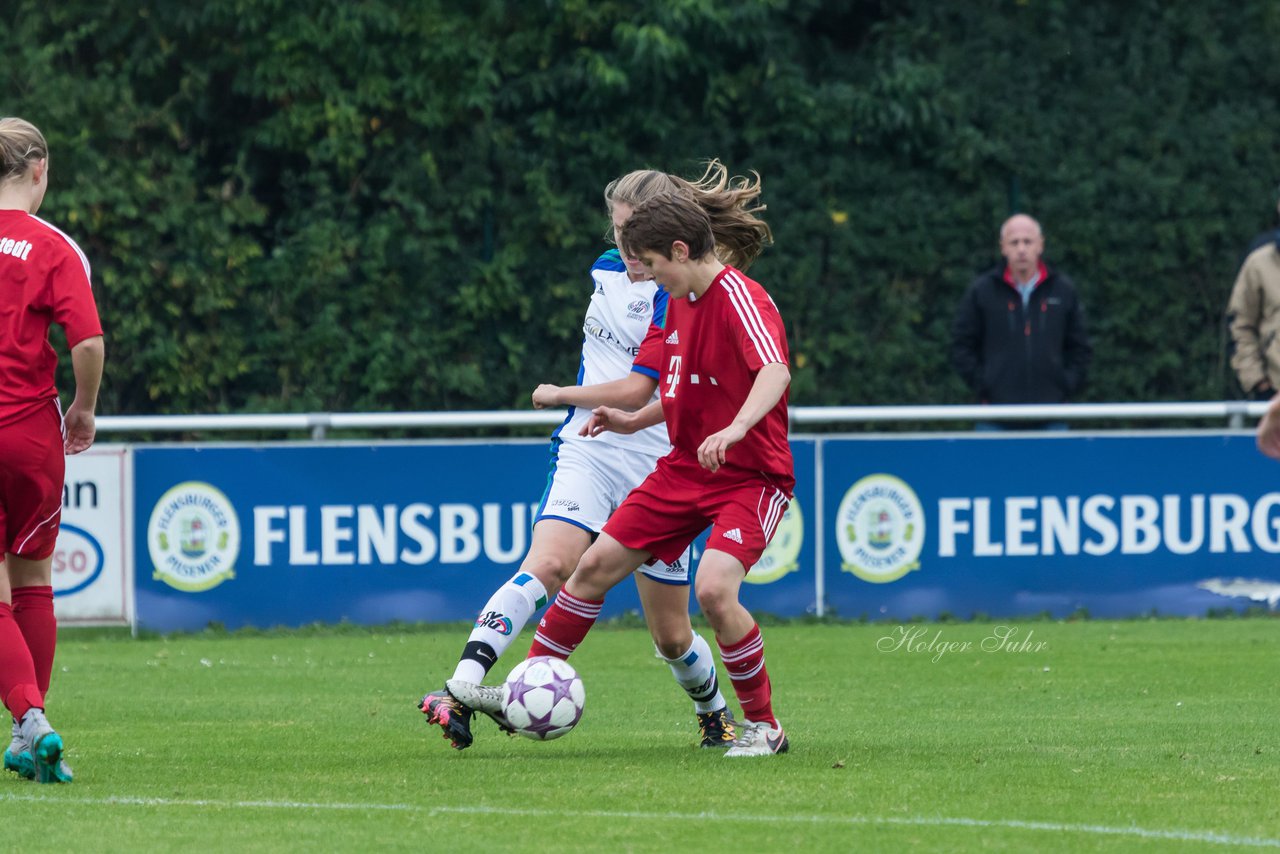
pixel 1153 735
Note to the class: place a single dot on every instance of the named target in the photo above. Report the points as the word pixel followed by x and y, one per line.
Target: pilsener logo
pixel 880 529
pixel 193 537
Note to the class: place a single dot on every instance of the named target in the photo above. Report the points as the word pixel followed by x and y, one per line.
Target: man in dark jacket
pixel 1019 332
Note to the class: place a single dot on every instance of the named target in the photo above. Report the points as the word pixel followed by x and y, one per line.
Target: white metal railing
pixel 1233 412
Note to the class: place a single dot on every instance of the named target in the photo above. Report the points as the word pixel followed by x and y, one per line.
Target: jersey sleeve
pixel 649 360
pixel 756 324
pixel 71 297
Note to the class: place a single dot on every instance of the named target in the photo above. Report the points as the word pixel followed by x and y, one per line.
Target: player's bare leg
pixel 602 566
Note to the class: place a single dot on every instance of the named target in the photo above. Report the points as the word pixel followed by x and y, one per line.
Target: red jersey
pixel 44 279
pixel 713 347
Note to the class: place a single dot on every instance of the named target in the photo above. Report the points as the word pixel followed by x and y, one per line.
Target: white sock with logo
pixel 695 671
pixel 500 620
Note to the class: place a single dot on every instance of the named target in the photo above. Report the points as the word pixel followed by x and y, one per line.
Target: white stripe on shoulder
pixel 741 300
pixel 83 258
pixel 740 297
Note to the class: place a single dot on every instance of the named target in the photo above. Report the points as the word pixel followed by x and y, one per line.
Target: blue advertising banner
pixel 290 535
pixel 1117 525
pixel 996 524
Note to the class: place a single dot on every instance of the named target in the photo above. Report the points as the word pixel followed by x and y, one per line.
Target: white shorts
pixel 587 483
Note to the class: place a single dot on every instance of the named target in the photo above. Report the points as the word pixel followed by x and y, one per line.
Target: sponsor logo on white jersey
pixel 593 327
pixel 674 337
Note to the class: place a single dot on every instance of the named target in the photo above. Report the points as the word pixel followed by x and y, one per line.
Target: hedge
pixel 312 205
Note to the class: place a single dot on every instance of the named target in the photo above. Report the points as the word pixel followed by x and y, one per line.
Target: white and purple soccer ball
pixel 543 697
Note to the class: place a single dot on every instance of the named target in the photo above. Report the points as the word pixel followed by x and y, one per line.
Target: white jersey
pixel 618 318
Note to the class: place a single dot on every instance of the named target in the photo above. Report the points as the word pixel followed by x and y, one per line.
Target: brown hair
pixel 731 204
pixel 20 143
pixel 657 223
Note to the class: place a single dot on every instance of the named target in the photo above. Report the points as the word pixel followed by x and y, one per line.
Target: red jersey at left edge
pixel 44 279
pixel 714 346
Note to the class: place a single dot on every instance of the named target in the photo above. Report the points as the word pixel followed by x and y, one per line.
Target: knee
pixel 714 602
pixel 551 569
pixel 590 566
pixel 672 641
pixel 592 577
pixel 671 650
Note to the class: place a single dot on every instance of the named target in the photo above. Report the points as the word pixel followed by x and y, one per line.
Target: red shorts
pixel 680 499
pixel 32 468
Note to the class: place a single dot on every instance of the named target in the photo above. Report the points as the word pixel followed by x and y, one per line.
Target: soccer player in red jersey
pixel 591 476
pixel 44 279
pixel 723 392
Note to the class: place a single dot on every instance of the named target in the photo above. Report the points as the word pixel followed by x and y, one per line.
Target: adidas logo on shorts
pixel 735 534
pixel 674 337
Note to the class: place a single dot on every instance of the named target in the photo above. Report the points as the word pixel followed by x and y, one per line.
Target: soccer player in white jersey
pixel 723 389
pixel 590 476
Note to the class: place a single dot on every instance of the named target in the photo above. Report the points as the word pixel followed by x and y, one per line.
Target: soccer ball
pixel 543 697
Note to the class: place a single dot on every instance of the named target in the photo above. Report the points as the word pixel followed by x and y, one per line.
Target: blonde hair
pixel 20 143
pixel 730 204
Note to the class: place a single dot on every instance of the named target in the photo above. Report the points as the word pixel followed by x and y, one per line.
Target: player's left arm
pixel 770 384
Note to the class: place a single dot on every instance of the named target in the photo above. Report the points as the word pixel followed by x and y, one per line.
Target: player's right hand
pixel 546 396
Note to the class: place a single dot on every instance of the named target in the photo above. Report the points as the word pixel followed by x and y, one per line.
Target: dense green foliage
pixel 313 205
pixel 1134 736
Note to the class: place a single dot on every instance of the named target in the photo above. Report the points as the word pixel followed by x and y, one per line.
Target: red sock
pixel 33 609
pixel 744 662
pixel 564 625
pixel 18 686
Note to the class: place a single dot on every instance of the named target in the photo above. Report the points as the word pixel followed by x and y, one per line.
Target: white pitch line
pixel 1211 836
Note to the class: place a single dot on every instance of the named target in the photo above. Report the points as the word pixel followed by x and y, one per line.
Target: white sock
pixel 695 672
pixel 500 620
